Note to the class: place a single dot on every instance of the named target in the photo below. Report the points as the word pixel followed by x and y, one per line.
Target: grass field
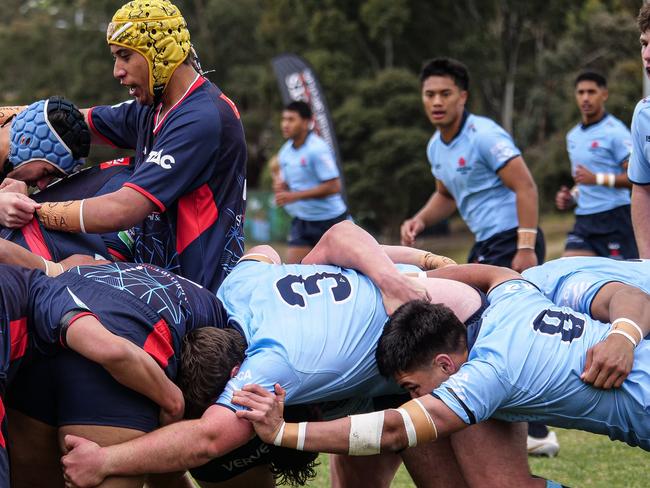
pixel 585 460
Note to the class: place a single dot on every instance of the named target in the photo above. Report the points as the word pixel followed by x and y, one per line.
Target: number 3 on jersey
pixel 294 289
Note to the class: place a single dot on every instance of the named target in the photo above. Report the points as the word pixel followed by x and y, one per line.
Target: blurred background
pixel 523 57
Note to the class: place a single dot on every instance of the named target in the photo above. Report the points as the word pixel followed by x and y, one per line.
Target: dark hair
pixel 643 20
pixel 415 333
pixel 597 78
pixel 208 355
pixel 302 108
pixel 451 68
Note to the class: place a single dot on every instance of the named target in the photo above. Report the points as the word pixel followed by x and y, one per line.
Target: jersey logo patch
pixel 165 161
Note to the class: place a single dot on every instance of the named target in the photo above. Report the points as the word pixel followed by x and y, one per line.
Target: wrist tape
pixel 64 216
pixel 526 238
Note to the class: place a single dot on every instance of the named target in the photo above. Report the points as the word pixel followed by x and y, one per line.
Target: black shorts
pixel 68 389
pixel 500 249
pixel 309 232
pixel 608 234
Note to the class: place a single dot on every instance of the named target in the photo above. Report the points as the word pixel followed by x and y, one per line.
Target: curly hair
pixel 643 20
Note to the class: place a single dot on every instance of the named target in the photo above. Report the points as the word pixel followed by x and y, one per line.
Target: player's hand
pixel 80 260
pixel 16 186
pixel 410 229
pixel 266 409
pixel 279 185
pixel 83 464
pixel 524 259
pixel 174 412
pixel 609 362
pixel 430 261
pixel 583 176
pixel 282 198
pixel 563 199
pixel 16 209
pixel 401 289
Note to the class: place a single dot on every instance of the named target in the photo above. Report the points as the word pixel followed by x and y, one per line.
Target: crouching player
pixel 498 369
pixel 37 313
pixel 145 307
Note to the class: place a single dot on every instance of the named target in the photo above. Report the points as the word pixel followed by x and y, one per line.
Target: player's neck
pixel 299 140
pixel 592 119
pixel 449 131
pixel 177 87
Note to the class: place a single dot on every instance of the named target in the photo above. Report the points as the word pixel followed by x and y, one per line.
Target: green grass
pixel 585 460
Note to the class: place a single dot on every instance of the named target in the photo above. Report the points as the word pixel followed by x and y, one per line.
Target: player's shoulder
pixel 642 108
pixel 314 142
pixel 575 131
pixel 614 123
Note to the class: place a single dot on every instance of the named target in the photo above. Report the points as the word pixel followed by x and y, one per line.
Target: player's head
pixel 209 358
pixel 445 85
pixel 149 40
pixel 48 139
pixel 643 21
pixel 296 119
pixel 591 94
pixel 421 346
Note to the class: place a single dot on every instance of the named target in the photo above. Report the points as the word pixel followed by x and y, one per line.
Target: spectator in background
pixel 599 148
pixel 309 184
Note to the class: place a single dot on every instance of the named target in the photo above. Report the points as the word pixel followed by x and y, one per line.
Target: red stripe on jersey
pixel 197 211
pixel 115 162
pixel 3 444
pixel 19 338
pixel 159 343
pixel 116 255
pixel 231 103
pixel 105 139
pixel 144 192
pixel 34 237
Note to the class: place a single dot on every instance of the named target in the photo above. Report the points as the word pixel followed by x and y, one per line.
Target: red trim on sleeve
pixel 95 131
pixel 159 343
pixel 3 444
pixel 116 254
pixel 197 211
pixel 115 162
pixel 144 192
pixel 231 103
pixel 72 321
pixel 33 235
pixel 19 338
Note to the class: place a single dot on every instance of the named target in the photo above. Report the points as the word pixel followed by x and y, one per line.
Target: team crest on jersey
pixel 165 161
pixel 594 145
pixel 462 167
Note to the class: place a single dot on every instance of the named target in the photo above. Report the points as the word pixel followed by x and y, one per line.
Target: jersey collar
pixel 586 126
pixel 198 81
pixel 460 129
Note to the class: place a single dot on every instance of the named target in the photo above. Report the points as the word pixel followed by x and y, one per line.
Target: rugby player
pixel 185 199
pixel 37 314
pixel 480 171
pixel 599 148
pixel 462 376
pixel 331 319
pixel 309 187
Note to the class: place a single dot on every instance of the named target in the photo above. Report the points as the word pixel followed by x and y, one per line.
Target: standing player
pixel 599 148
pixel 310 186
pixel 478 170
pixel 639 168
pixel 186 196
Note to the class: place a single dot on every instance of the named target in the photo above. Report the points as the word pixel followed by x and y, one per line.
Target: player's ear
pixel 445 363
pixel 235 370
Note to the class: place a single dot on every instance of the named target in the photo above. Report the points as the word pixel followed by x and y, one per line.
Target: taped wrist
pixel 291 435
pixel 628 329
pixel 434 261
pixel 526 238
pixel 63 216
pixel 7 112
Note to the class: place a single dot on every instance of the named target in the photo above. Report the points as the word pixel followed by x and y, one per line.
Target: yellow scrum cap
pixel 157 30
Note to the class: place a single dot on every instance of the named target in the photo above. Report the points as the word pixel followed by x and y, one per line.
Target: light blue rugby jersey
pixel 526 365
pixel 574 282
pixel 638 170
pixel 306 167
pixel 601 148
pixel 312 328
pixel 468 167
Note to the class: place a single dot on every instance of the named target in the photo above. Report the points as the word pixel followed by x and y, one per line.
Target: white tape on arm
pixel 365 434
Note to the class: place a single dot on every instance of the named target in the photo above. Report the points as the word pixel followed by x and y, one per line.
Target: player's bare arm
pixel 326 188
pixel 119 210
pixel 482 276
pixel 609 362
pixel 175 447
pixel 516 176
pixel 416 422
pixel 641 218
pixel 439 206
pixel 127 363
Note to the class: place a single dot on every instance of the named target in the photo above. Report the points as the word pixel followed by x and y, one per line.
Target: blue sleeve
pixel 322 161
pixel 117 124
pixel 474 392
pixel 638 170
pixel 53 306
pixel 496 148
pixel 621 144
pixel 264 368
pixel 182 158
